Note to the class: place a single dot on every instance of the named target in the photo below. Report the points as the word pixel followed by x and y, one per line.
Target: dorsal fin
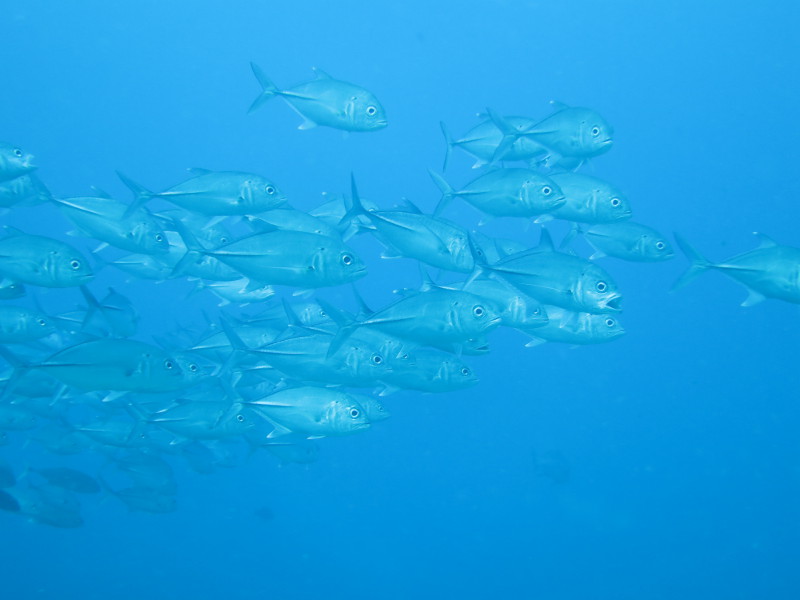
pixel 320 74
pixel 558 105
pixel 546 242
pixel 410 206
pixel 764 240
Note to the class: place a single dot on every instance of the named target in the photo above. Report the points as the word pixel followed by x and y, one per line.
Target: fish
pixel 312 411
pixel 24 190
pixel 16 418
pixel 114 224
pixel 570 327
pixel 411 234
pixel 69 479
pixel 46 508
pixel 429 318
pixel 572 134
pixel 496 138
pixel 326 101
pixel 204 420
pixel 146 499
pixel 556 278
pixel 432 371
pixel 41 261
pixel 504 193
pixel 214 193
pixel 589 199
pixel 628 241
pixel 768 271
pixel 112 364
pixel 19 325
pixel 14 162
pixel 292 258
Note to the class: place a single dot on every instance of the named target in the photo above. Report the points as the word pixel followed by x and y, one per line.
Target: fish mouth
pixel 613 303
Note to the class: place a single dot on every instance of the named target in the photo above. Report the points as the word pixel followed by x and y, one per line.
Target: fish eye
pixel 17 152
pixel 595 131
pixel 168 364
pixel 347 259
pixel 354 412
pixel 377 359
pixel 601 286
pixel 75 264
pixel 270 189
pixel 610 322
pixel 371 110
pixel 478 311
pixel 41 322
pixel 465 371
pixel 159 238
pixel 615 202
pixel 223 240
pixel 660 245
pixel 240 418
pixel 547 190
pixel 193 367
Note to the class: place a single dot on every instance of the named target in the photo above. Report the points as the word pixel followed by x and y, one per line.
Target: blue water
pixel 681 436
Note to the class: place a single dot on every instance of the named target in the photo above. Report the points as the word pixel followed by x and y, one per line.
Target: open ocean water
pixel 661 465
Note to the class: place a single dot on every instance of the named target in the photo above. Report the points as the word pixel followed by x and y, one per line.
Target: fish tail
pixel 510 135
pixel 481 264
pixel 356 208
pixel 193 248
pixel 448 193
pixel 346 325
pixel 268 89
pixel 20 368
pixel 574 230
pixel 699 263
pixel 450 144
pixel 141 194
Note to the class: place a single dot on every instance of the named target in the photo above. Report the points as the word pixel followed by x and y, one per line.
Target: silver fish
pixel 326 101
pixel 570 327
pixel 769 271
pixel 41 261
pixel 628 241
pixel 590 200
pixel 14 162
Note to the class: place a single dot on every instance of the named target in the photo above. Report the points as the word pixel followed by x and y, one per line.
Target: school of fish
pixel 279 368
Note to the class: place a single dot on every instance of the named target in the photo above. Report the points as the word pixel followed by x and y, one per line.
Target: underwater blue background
pixel 681 436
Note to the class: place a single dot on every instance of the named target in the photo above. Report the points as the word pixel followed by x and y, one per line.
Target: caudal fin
pixel 699 264
pixel 449 142
pixel 268 89
pixel 141 194
pixel 448 193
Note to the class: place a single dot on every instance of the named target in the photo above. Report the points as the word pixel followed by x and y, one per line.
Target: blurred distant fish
pixel 113 316
pixel 25 190
pixel 10 289
pixel 326 101
pixel 69 479
pixel 14 162
pixel 769 271
pixel 8 502
pixel 19 325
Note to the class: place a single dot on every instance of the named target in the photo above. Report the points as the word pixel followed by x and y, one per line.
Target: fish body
pixel 215 193
pixel 69 479
pixel 573 133
pixel 589 199
pixel 326 101
pixel 292 258
pixel 313 411
pixel 25 190
pixel 769 271
pixel 570 327
pixel 411 234
pixel 505 193
pixel 42 261
pixel 109 221
pixel 429 370
pixel 560 279
pixel 19 325
pixel 115 364
pixel 628 241
pixel 485 141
